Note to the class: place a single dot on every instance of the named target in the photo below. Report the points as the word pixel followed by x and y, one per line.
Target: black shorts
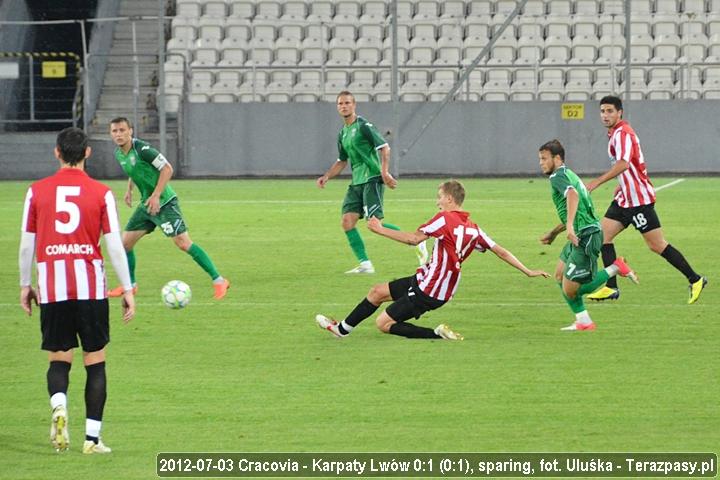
pixel 643 218
pixel 409 300
pixel 62 322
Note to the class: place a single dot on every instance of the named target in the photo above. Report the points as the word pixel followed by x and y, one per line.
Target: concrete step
pixel 113 103
pixel 146 120
pixel 126 78
pixel 139 34
pixel 143 48
pixel 150 10
pixel 126 93
pixel 146 27
pixel 125 69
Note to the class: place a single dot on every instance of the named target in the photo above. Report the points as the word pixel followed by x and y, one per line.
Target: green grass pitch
pixel 254 373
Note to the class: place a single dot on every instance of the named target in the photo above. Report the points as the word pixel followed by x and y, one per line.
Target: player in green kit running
pixel 159 207
pixel 360 143
pixel 577 267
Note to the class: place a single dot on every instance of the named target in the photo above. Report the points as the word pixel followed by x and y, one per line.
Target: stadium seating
pixel 302 50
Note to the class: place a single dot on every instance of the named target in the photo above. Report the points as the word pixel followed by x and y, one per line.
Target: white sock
pixel 92 427
pixel 218 280
pixel 583 318
pixel 366 263
pixel 57 400
pixel 346 327
pixel 612 270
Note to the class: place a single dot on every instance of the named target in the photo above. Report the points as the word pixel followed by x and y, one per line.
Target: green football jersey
pixel 358 143
pixel 141 164
pixel 563 179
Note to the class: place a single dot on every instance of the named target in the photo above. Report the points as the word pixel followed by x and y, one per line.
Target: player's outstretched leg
pixel 329 324
pixel 605 293
pixel 610 291
pixel 696 288
pixel 220 287
pixel 445 332
pixel 618 267
pixel 199 256
pixel 624 270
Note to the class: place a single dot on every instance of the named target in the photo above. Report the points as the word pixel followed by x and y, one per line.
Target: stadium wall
pixel 29 156
pixel 491 138
pixel 13 38
pixel 233 140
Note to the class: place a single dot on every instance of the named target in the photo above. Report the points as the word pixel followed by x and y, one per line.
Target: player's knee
pixel 348 223
pixel 570 293
pixel 383 324
pixel 375 295
pixel 657 247
pixel 183 244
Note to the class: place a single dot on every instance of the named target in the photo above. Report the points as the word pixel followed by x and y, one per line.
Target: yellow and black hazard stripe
pixel 69 56
pixel 51 56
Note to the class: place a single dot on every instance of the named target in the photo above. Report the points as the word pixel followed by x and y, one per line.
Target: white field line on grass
pixel 399 200
pixel 293 201
pixel 671 184
pixel 460 303
pixel 335 201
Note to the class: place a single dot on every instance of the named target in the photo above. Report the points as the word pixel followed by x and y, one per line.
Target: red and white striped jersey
pixel 456 238
pixel 635 186
pixel 68 212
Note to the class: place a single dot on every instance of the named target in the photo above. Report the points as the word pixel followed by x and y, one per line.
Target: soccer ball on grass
pixel 176 294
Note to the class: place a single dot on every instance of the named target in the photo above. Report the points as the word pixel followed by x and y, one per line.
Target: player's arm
pixel 25 260
pixel 573 199
pixel 153 202
pixel 549 237
pixel 388 179
pixel 410 238
pixel 118 258
pixel 508 257
pixel 333 171
pixel 128 193
pixel 619 167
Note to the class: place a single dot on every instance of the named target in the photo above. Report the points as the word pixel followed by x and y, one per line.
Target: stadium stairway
pixel 116 96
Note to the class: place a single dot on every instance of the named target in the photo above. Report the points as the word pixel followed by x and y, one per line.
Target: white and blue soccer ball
pixel 176 294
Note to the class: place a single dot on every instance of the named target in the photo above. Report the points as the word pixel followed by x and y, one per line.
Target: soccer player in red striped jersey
pixel 63 218
pixel 435 282
pixel 634 202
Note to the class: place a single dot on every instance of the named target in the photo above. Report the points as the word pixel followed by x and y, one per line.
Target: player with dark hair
pixel 576 269
pixel 63 218
pixel 360 143
pixel 634 202
pixel 434 283
pixel 159 206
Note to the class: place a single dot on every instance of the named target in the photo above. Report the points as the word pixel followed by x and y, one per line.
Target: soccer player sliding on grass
pixel 577 267
pixel 435 282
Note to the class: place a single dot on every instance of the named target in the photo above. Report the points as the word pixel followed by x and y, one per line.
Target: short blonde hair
pixel 455 189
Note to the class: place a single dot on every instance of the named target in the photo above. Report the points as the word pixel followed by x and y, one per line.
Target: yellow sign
pixel 573 111
pixel 53 70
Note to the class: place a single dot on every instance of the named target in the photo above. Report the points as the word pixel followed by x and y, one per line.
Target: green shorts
pixel 581 261
pixel 169 219
pixel 365 199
